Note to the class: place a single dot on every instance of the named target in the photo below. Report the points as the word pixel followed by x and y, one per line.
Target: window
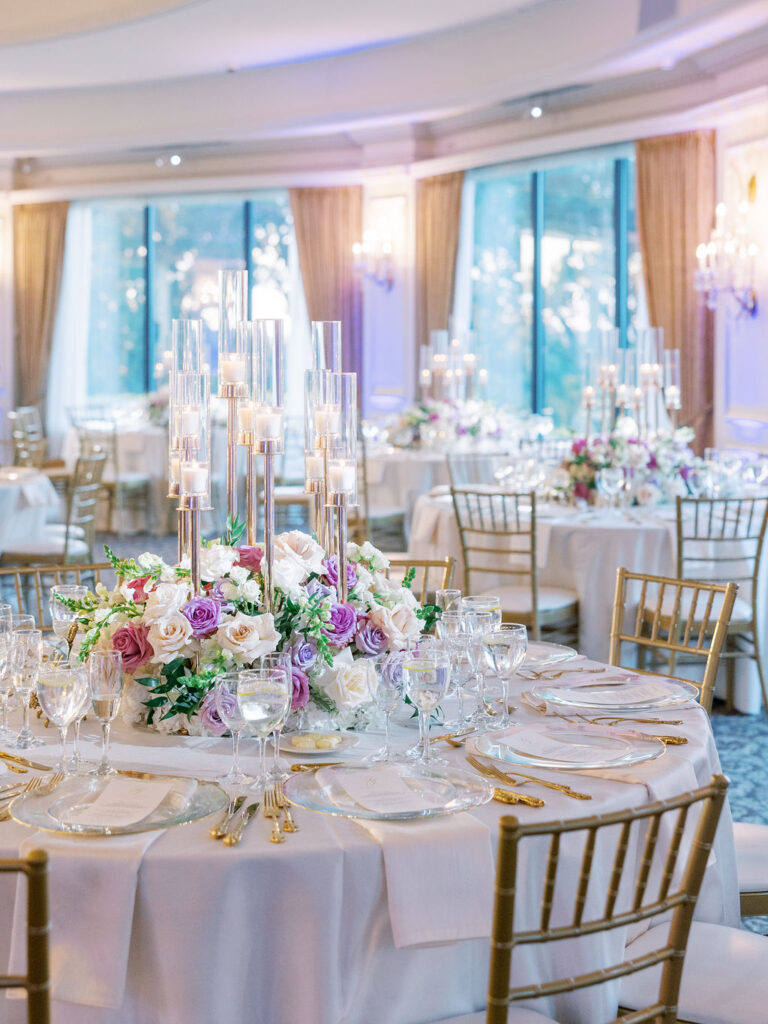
pixel 554 258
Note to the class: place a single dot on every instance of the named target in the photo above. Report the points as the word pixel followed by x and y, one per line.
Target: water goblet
pixel 21 620
pixel 60 690
pixel 105 684
pixel 279 659
pixel 448 600
pixel 426 682
pixel 26 656
pixel 225 695
pixel 478 624
pixel 609 482
pixel 264 698
pixel 62 617
pixel 450 624
pixel 506 647
pixel 463 667
pixel 484 603
pixel 76 762
pixel 387 692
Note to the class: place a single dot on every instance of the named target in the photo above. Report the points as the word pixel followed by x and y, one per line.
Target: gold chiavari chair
pixel 430 574
pixel 27 589
pixel 498 539
pixel 36 981
pixel 662 881
pixel 721 540
pixel 679 617
pixel 128 490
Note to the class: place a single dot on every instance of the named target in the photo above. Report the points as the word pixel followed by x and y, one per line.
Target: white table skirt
pixel 301 931
pixel 27 497
pixel 582 551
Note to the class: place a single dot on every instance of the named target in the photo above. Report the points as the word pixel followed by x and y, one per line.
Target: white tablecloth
pixel 27 497
pixel 301 933
pixel 582 551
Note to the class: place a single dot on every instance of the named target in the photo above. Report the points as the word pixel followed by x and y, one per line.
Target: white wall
pixel 6 304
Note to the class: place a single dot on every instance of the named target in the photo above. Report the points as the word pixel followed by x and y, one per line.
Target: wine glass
pixel 609 482
pixel 478 624
pixel 6 682
pixel 60 690
pixel 225 694
pixel 484 603
pixel 387 692
pixel 506 647
pixel 426 681
pixel 450 624
pixel 76 762
pixel 278 659
pixel 105 683
pixel 26 656
pixel 20 620
pixel 448 600
pixel 264 698
pixel 463 653
pixel 62 617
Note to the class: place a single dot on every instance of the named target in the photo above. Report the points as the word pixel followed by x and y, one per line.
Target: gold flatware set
pixel 513 779
pixel 238 816
pixel 38 784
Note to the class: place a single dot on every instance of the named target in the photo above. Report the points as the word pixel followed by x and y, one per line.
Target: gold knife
pixel 4 756
pixel 506 796
pixel 234 837
pixel 220 830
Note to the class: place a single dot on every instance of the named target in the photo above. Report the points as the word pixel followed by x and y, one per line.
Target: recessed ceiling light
pixel 536 112
pixel 174 160
pixel 159 162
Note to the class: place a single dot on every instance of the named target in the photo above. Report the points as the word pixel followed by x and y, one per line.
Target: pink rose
pixel 250 557
pixel 137 587
pixel 133 644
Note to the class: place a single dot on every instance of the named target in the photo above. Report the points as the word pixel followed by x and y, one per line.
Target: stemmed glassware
pixel 609 482
pixel 448 600
pixel 425 676
pixel 387 692
pixel 280 660
pixel 484 603
pixel 26 657
pixel 76 762
pixel 450 624
pixel 60 690
pixel 228 707
pixel 506 647
pixel 478 624
pixel 264 698
pixel 464 651
pixel 6 683
pixel 62 617
pixel 105 683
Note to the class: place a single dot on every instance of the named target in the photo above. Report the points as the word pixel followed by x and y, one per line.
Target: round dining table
pixel 27 500
pixel 581 549
pixel 345 922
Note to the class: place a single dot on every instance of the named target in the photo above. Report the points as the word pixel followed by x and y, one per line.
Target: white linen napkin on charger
pixel 440 876
pixel 92 892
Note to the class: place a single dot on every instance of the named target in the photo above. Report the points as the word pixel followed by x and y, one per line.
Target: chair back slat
pixel 431 574
pixel 27 589
pixel 649 850
pixel 618 867
pixel 36 982
pixel 584 876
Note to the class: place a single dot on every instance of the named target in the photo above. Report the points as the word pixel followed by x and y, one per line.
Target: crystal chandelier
pixel 727 261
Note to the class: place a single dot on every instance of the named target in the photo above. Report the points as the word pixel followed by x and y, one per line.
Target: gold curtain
pixel 328 222
pixel 675 203
pixel 38 255
pixel 438 214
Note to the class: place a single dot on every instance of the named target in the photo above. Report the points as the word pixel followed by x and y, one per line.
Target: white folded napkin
pixel 92 885
pixel 439 878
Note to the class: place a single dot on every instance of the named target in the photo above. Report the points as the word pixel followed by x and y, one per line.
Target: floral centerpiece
pixel 174 645
pixel 443 422
pixel 657 470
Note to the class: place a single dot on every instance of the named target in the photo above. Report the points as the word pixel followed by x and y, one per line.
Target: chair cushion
pixel 751 856
pixel 518 599
pixel 742 610
pixel 47 545
pixel 61 528
pixel 725 976
pixel 515 1015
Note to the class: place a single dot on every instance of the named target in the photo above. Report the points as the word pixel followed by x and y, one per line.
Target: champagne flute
pixel 26 656
pixel 105 683
pixel 264 698
pixel 478 624
pixel 387 692
pixel 463 667
pixel 448 600
pixel 60 690
pixel 426 681
pixel 281 660
pixel 506 647
pixel 229 712
pixel 62 617
pixel 6 683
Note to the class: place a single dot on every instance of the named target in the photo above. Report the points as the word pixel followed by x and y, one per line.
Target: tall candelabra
pixel 195 460
pixel 341 473
pixel 185 354
pixel 234 366
pixel 450 369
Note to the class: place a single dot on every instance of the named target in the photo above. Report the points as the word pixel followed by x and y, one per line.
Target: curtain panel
pixel 675 205
pixel 38 255
pixel 328 222
pixel 438 216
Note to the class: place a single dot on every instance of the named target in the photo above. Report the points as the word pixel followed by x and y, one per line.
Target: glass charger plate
pixel 566 747
pixel 640 694
pixel 444 791
pixel 45 811
pixel 540 654
pixel 346 742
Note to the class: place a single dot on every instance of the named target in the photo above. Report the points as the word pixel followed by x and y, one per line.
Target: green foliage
pixel 409 577
pixel 429 614
pixel 234 531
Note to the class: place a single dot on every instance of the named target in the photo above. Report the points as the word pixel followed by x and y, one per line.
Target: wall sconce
pixel 373 259
pixel 726 263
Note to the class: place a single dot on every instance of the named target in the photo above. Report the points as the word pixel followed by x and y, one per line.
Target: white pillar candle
pixel 168 359
pixel 268 422
pixel 327 420
pixel 175 468
pixel 190 420
pixel 622 394
pixel 341 477
pixel 588 395
pixel 194 478
pixel 232 368
pixel 314 466
pixel 672 396
pixel 246 412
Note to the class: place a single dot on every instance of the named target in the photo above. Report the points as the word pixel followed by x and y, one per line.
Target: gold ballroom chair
pixel 431 574
pixel 36 981
pixel 27 588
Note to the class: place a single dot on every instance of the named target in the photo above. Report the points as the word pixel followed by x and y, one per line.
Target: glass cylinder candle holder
pixel 341 473
pixel 268 382
pixel 326 345
pixel 186 345
pixel 234 343
pixel 439 340
pixel 194 424
pixel 322 409
pixel 651 347
pixel 672 378
pixel 342 479
pixel 314 468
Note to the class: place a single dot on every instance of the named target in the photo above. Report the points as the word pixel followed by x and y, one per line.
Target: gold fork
pixel 289 825
pixel 272 810
pixel 37 785
pixel 492 772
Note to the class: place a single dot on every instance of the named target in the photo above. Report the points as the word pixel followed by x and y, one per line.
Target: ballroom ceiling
pixel 238 75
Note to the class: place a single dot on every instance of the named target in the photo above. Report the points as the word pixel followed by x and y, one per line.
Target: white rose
pixel 398 624
pixel 248 636
pixel 239 574
pixel 132 710
pixel 302 549
pixel 348 686
pixel 166 599
pixel 288 575
pixel 250 591
pixel 169 637
pixel 648 494
pixel 228 590
pixel 372 555
pixel 216 560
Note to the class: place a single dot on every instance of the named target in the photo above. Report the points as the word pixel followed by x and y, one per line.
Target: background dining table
pixel 185 930
pixel 27 500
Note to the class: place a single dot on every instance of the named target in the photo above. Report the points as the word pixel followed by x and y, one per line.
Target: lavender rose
pixel 341 626
pixel 303 652
pixel 370 640
pixel 317 589
pixel 203 614
pixel 210 718
pixel 331 569
pixel 392 669
pixel 300 697
pixel 134 646
pixel 216 593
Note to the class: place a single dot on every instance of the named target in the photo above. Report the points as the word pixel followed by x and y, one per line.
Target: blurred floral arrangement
pixel 441 422
pixel 655 471
pixel 174 646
